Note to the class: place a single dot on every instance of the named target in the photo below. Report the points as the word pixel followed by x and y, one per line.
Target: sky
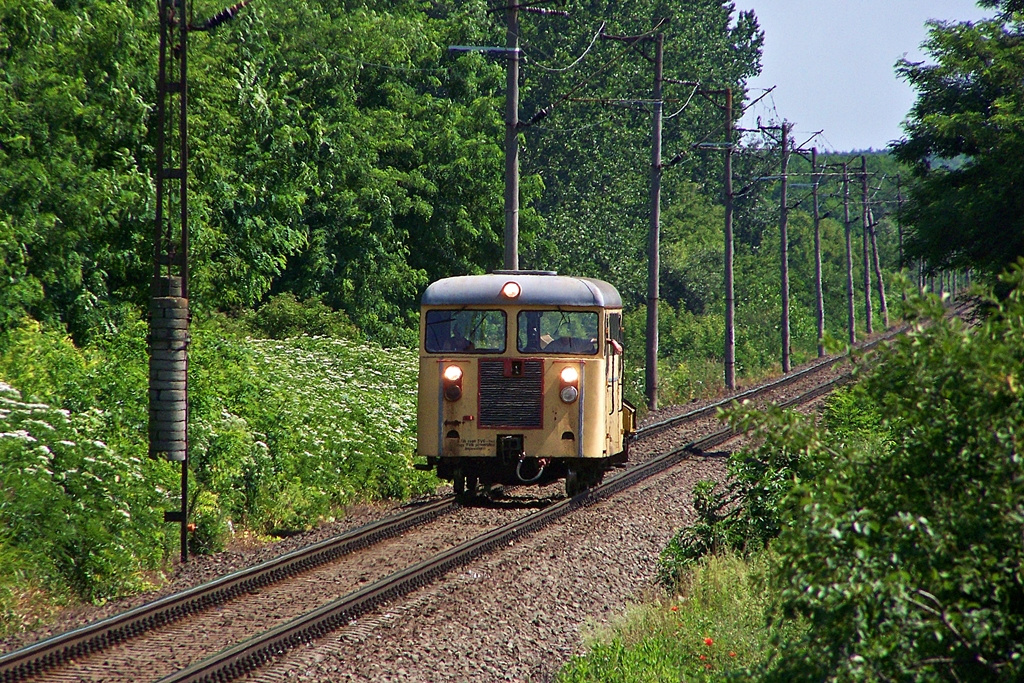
pixel 832 65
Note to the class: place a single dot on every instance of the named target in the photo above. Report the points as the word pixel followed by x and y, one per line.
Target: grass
pixel 713 628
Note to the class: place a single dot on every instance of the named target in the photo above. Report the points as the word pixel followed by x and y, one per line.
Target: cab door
pixel 613 363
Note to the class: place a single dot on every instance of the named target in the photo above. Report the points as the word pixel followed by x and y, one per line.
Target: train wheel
pixel 459 482
pixel 471 483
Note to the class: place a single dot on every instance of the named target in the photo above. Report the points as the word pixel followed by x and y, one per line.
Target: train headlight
pixel 452 382
pixel 570 391
pixel 511 290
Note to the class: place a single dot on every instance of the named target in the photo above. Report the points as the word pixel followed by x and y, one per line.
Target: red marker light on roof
pixel 511 290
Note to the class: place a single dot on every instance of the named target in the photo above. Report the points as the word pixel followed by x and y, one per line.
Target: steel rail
pixel 45 654
pixel 258 650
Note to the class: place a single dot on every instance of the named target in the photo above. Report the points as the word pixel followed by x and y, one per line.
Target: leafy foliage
pixel 904 555
pixel 964 134
pixel 747 512
pixel 598 153
pixel 284 316
pixel 74 191
pixel 78 513
pixel 317 177
pixel 310 128
pixel 896 520
pixel 282 433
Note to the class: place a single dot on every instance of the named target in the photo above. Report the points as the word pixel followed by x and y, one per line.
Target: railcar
pixel 520 381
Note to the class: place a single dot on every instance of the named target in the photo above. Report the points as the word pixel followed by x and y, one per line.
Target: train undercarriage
pixel 469 473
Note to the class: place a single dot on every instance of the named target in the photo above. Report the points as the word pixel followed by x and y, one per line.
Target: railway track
pixel 52 652
pixel 257 651
pixel 46 655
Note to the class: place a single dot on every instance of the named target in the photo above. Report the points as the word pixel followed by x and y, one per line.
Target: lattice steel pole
pixel 168 308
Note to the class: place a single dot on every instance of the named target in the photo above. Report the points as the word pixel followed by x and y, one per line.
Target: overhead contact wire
pixel 579 59
pixel 548 109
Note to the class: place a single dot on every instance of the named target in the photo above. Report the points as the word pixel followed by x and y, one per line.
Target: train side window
pixel 615 327
pixel 465 331
pixel 569 332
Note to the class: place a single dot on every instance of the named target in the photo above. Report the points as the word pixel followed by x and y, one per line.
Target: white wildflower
pixel 20 435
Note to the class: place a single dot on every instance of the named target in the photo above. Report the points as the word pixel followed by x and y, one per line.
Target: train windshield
pixel 572 332
pixel 465 331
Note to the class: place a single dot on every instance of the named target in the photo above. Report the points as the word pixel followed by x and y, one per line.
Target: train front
pixel 520 380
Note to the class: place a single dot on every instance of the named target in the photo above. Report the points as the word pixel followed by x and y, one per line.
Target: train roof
pixel 538 289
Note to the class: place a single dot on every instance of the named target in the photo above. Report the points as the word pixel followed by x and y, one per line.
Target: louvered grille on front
pixel 510 400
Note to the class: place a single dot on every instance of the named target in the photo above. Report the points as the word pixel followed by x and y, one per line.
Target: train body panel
pixel 520 379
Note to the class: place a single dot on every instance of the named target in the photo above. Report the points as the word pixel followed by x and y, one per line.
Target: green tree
pixel 74 192
pixel 965 134
pixel 346 158
pixel 337 153
pixel 594 157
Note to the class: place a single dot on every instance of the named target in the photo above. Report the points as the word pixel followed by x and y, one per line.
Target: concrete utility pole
pixel 851 322
pixel 512 138
pixel 899 226
pixel 864 225
pixel 818 293
pixel 511 52
pixel 878 271
pixel 654 233
pixel 730 297
pixel 784 248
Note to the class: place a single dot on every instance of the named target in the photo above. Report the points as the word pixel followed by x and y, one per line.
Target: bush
pixel 905 555
pixel 744 514
pixel 898 516
pixel 285 432
pixel 285 316
pixel 85 517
